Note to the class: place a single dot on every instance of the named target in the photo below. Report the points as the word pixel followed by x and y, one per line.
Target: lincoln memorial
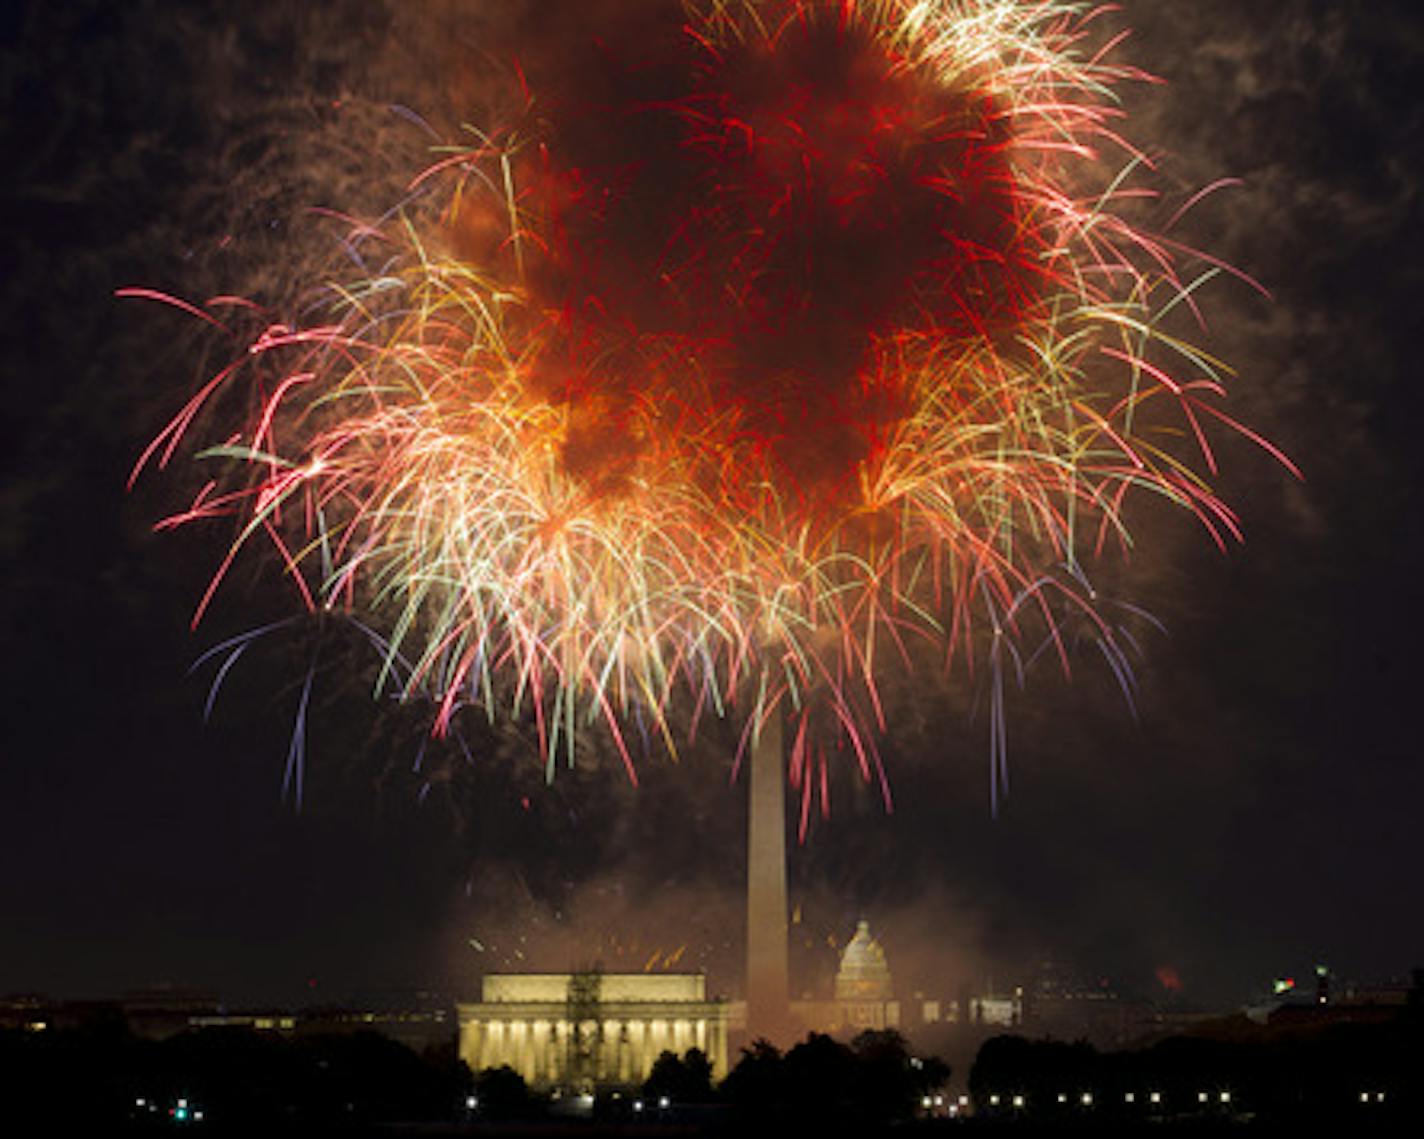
pixel 587 1029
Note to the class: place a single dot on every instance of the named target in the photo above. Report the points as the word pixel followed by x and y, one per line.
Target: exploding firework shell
pixel 750 358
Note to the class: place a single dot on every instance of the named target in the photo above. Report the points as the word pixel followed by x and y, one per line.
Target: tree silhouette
pixel 685 1079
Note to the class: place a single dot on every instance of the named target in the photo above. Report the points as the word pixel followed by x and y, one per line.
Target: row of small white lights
pixel 473 1102
pixel 1086 1099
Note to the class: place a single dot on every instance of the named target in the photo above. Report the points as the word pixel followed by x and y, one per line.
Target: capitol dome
pixel 863 975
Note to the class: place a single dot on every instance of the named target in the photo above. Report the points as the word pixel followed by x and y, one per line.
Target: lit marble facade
pixel 524 1021
pixel 865 992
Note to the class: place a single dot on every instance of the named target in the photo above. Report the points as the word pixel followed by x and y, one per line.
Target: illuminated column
pixel 470 1044
pixel 768 1003
pixel 491 1043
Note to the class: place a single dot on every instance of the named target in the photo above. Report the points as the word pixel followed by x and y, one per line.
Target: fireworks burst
pixel 769 341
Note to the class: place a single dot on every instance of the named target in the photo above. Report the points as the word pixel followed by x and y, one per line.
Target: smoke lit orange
pixel 771 337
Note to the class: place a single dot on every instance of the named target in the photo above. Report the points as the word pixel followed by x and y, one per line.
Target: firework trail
pixel 762 346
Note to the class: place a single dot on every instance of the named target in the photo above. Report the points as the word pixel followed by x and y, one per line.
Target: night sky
pixel 1258 814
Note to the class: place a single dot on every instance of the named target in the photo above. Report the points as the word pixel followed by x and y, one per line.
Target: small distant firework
pixel 769 342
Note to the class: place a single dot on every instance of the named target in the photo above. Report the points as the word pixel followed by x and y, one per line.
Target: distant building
pixel 266 1021
pixel 590 1029
pixel 166 1009
pixel 418 1018
pixel 28 1012
pixel 864 991
pixel 1004 1010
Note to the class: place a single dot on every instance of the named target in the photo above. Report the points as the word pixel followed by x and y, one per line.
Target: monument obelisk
pixel 768 996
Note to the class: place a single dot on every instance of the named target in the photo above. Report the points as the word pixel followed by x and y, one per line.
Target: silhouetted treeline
pixel 1350 1075
pixel 680 1079
pixel 875 1079
pixel 102 1078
